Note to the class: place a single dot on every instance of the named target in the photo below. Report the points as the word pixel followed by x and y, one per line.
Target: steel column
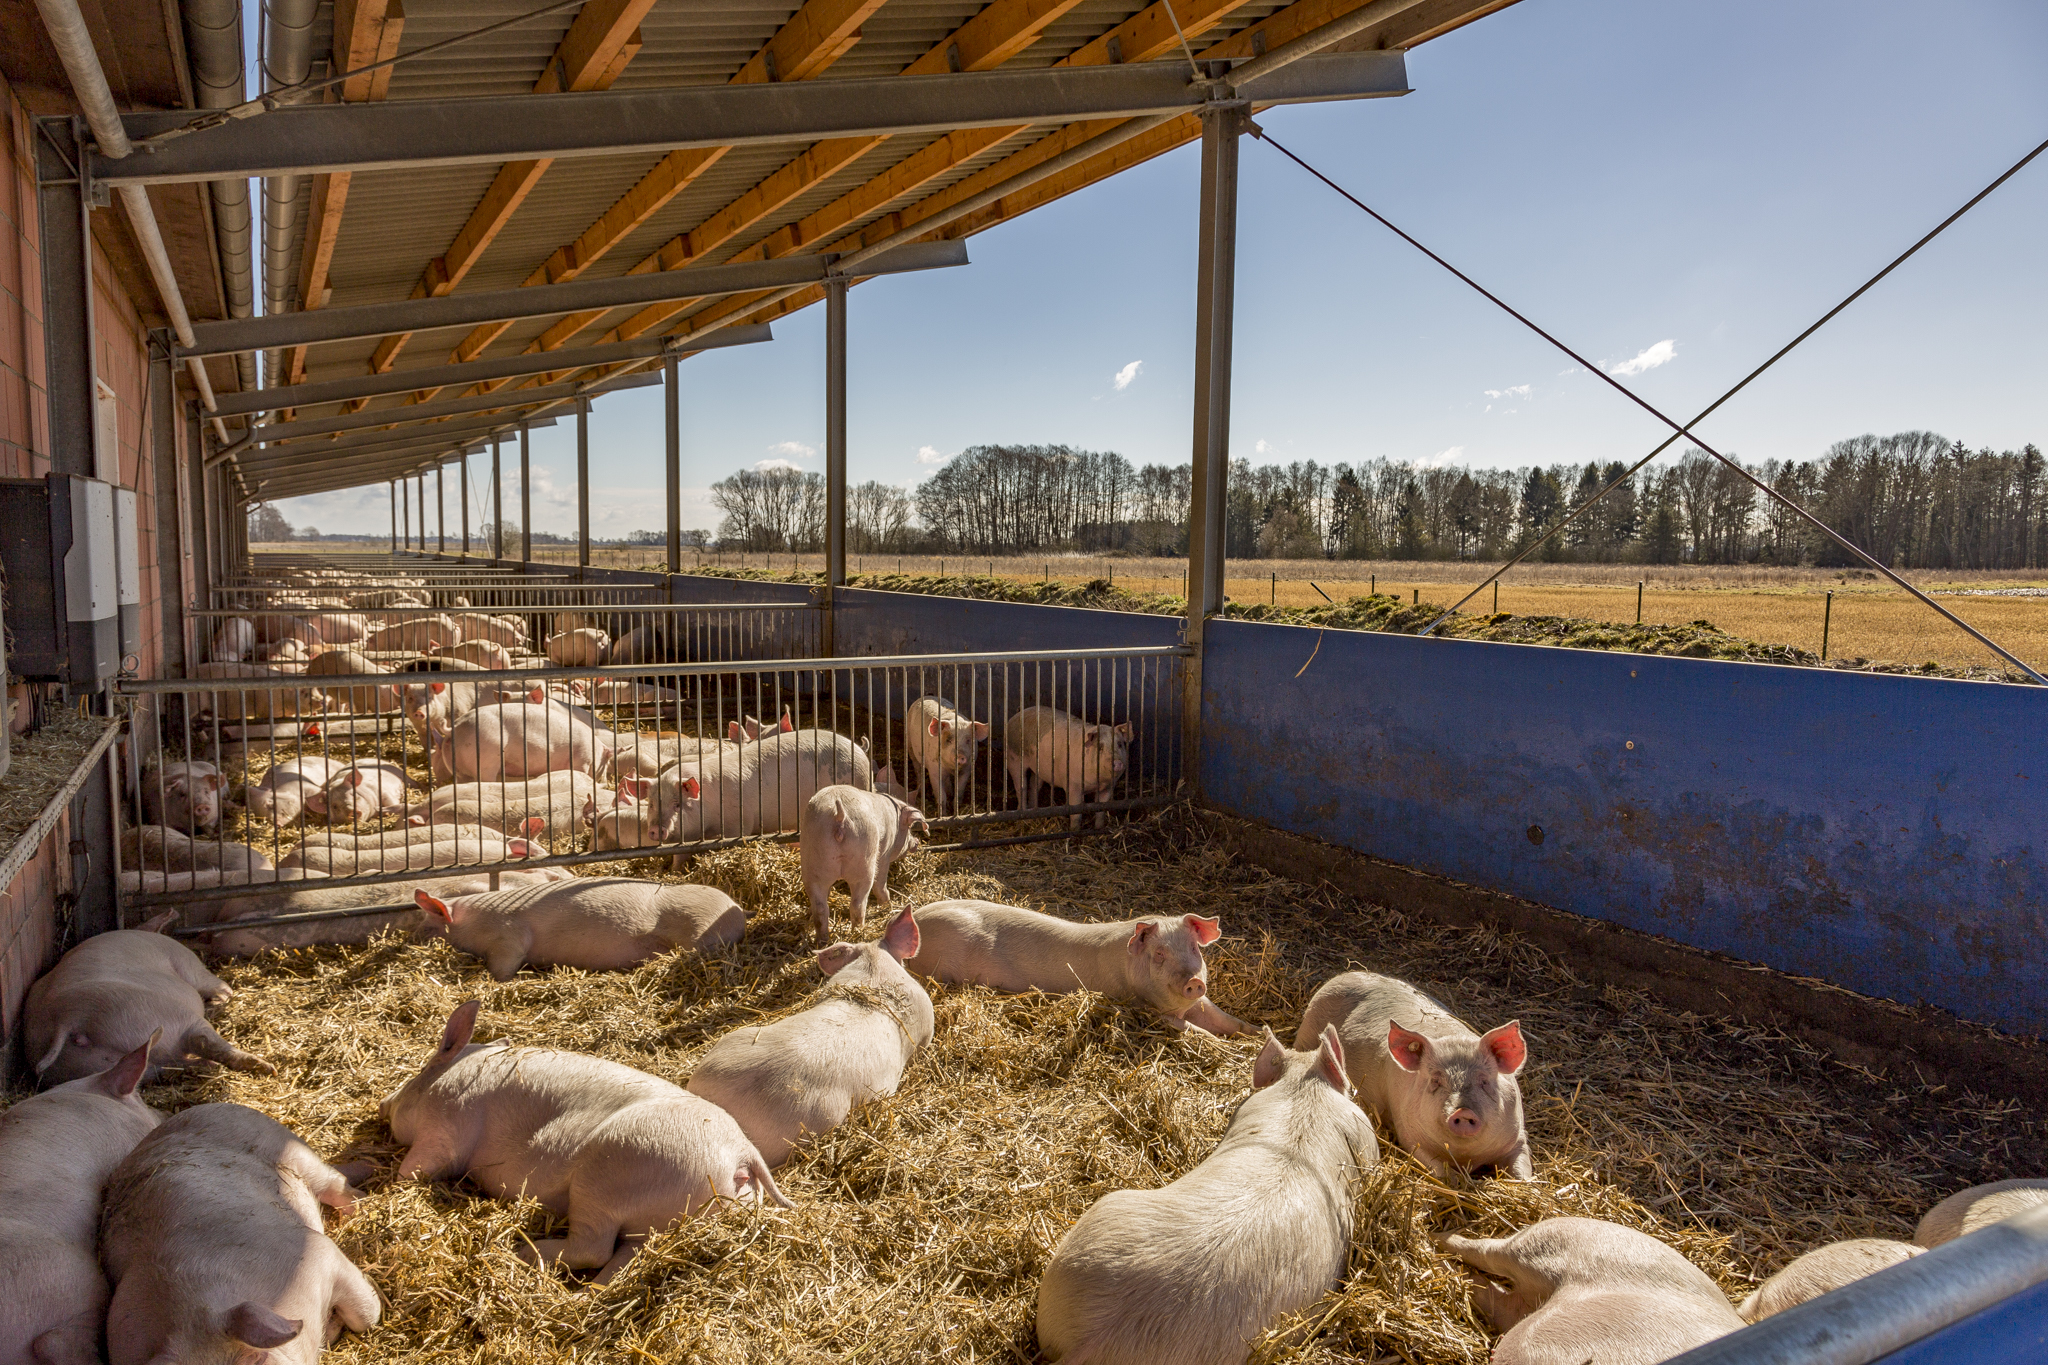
pixel 160 442
pixel 1215 278
pixel 423 510
pixel 525 500
pixel 440 512
pixel 405 509
pixel 835 456
pixel 465 504
pixel 497 497
pixel 671 404
pixel 583 483
pixel 63 212
pixel 394 516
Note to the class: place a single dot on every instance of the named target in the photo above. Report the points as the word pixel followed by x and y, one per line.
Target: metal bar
pixel 525 499
pixel 464 494
pixel 497 498
pixel 405 414
pixel 64 207
pixel 440 512
pixel 671 407
pixel 835 456
pixel 544 300
pixel 449 434
pixel 497 129
pixel 394 516
pixel 582 483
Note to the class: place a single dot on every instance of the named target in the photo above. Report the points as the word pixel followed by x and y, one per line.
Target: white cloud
pixel 765 465
pixel 1518 391
pixel 1661 354
pixel 1260 447
pixel 930 455
pixel 1127 374
pixel 791 450
pixel 1447 456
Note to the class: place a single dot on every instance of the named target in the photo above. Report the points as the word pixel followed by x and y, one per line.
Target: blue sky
pixel 1683 184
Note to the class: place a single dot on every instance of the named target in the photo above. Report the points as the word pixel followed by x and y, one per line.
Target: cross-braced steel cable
pixel 1685 431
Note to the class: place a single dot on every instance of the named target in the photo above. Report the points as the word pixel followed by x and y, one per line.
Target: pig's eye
pixel 1436 1085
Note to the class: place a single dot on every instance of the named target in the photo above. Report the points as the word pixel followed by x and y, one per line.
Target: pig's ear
pixel 253 1325
pixel 355 777
pixel 1206 928
pixel 787 724
pixel 535 826
pixel 539 693
pixel 1141 934
pixel 434 907
pixel 178 784
pixel 733 733
pixel 833 960
pixel 690 788
pixel 1330 1060
pixel 213 781
pixel 590 810
pixel 1507 1047
pixel 416 820
pixel 933 727
pixel 159 923
pixel 1124 731
pixel 119 1080
pixel 900 939
pixel 981 729
pixel 437 688
pixel 1408 1048
pixel 522 848
pixel 640 787
pixel 1271 1061
pixel 461 1025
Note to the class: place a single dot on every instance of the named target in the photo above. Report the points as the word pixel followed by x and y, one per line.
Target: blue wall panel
pixel 1879 832
pixel 688 588
pixel 909 623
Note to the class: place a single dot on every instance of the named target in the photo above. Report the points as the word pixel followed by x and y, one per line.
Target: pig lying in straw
pixel 1081 762
pixel 576 648
pixel 516 741
pixel 602 923
pixel 412 849
pixel 942 745
pixel 56 1152
pixel 227 940
pixel 853 836
pixel 1194 1272
pixel 558 801
pixel 1586 1290
pixel 154 848
pixel 1157 961
pixel 807 1072
pixel 1451 1094
pixel 1978 1207
pixel 1822 1271
pixel 114 992
pixel 182 796
pixel 283 793
pixel 213 1241
pixel 359 793
pixel 621 1152
pixel 362 700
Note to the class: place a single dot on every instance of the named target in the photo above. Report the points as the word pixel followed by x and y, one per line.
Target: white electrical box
pixel 128 573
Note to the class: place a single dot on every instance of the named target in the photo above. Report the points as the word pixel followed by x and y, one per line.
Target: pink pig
pixel 853 836
pixel 602 923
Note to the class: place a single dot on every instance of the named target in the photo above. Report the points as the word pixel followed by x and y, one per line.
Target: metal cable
pixel 1686 430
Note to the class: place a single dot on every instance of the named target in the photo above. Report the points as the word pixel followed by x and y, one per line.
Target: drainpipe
pixel 213 40
pixel 287 60
pixel 67 31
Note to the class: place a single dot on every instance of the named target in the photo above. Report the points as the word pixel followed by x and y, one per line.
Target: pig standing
pixel 576 648
pixel 287 788
pixel 157 849
pixel 56 1152
pixel 212 1239
pixel 806 1073
pixel 600 923
pixel 1451 1094
pixel 1590 1290
pixel 113 993
pixel 942 745
pixel 1157 961
pixel 487 654
pixel 1080 761
pixel 182 796
pixel 1978 1207
pixel 558 800
pixel 621 1152
pixel 360 792
pixel 853 836
pixel 234 641
pixel 1194 1272
pixel 349 663
pixel 1822 1271
pixel 515 741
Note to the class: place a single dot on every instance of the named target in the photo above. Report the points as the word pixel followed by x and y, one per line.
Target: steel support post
pixel 835 456
pixel 464 491
pixel 161 443
pixel 1216 273
pixel 63 211
pixel 195 493
pixel 583 483
pixel 440 512
pixel 497 497
pixel 422 500
pixel 671 404
pixel 394 516
pixel 525 498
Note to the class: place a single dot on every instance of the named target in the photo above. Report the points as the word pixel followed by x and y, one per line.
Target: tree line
pixel 1913 500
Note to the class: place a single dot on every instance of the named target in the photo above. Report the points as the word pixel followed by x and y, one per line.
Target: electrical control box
pixel 58 538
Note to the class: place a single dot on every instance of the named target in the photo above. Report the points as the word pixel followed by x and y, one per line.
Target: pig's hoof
pixel 356 1172
pixel 256 1066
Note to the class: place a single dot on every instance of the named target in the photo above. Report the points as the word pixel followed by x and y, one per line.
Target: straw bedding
pixel 922 1226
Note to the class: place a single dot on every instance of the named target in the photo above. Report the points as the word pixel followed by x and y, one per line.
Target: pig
pixel 557 800
pixel 231 941
pixel 360 700
pixel 386 598
pixel 646 645
pixel 1978 1207
pixel 1193 1273
pixel 136 883
pixel 413 636
pixel 486 654
pixel 600 923
pixel 212 1239
pixel 441 846
pixel 508 632
pixel 625 824
pixel 515 741
pixel 287 788
pixel 575 648
pixel 340 628
pixel 277 626
pixel 1451 1095
pixel 360 792
pixel 1082 762
pixel 621 1152
pixel 941 745
pixel 108 995
pixel 567 622
pixel 56 1152
pixel 1156 961
pixel 853 836
pixel 182 796
pixel 254 692
pixel 765 791
pixel 1822 1271
pixel 153 848
pixel 1590 1290
pixel 291 656
pixel 234 641
pixel 807 1072
pixel 626 692
pixel 887 784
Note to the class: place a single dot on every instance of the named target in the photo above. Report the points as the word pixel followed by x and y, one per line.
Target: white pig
pixel 887 784
pixel 442 846
pixel 359 792
pixel 1450 1094
pixel 56 1151
pixel 1156 961
pixel 1822 1271
pixel 766 791
pixel 287 788
pixel 626 823
pixel 515 741
pixel 212 1239
pixel 575 648
pixel 340 628
pixel 254 692
pixel 183 796
pixel 234 641
pixel 557 800
pixel 600 923
pixel 853 836
pixel 807 1072
pixel 413 636
pixel 1082 762
pixel 942 745
pixel 506 631
pixel 483 653
pixel 153 848
pixel 111 994
pixel 349 663
pixel 228 940
pixel 1978 1207
pixel 1590 1290
pixel 621 1152
pixel 1194 1272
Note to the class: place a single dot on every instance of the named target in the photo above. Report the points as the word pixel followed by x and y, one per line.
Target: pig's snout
pixel 1463 1122
pixel 1195 989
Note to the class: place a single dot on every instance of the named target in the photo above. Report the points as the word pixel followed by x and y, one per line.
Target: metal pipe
pixel 671 404
pixel 464 490
pixel 583 483
pixel 287 58
pixel 525 501
pixel 440 512
pixel 835 434
pixel 497 497
pixel 394 516
pixel 213 45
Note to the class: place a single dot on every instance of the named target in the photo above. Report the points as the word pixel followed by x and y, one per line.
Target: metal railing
pixel 387 778
pixel 512 590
